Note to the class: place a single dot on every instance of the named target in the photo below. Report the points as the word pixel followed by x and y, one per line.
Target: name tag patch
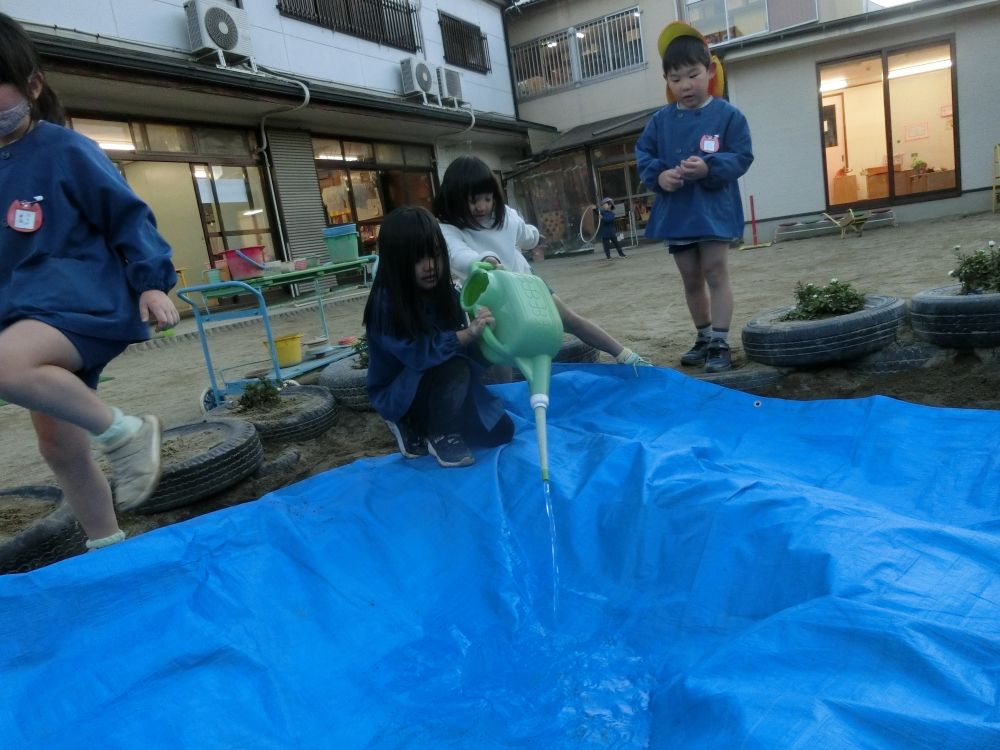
pixel 25 216
pixel 710 144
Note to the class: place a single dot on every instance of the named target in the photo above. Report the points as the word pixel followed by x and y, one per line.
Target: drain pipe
pixel 262 150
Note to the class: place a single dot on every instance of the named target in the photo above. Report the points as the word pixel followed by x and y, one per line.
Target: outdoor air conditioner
pixel 450 82
pixel 418 77
pixel 217 28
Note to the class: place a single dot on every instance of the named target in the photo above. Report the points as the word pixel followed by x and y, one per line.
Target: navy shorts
pixel 96 353
pixel 679 246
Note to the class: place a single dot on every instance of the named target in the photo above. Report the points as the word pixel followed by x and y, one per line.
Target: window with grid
pixel 390 22
pixel 464 44
pixel 579 54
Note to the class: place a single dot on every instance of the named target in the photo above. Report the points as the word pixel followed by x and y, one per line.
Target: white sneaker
pixel 135 464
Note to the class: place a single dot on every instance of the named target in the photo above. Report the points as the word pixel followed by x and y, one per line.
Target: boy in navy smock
pixel 691 154
pixel 606 229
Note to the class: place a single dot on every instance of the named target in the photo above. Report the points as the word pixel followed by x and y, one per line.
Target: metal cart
pixel 226 384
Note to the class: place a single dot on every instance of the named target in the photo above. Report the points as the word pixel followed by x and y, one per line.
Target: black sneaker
pixel 697 354
pixel 450 450
pixel 719 357
pixel 411 445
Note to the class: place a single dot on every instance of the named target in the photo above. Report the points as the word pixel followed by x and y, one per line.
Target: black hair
pixel 409 235
pixel 19 64
pixel 464 178
pixel 684 51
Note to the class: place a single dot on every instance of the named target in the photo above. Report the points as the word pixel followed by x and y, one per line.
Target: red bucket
pixel 246 263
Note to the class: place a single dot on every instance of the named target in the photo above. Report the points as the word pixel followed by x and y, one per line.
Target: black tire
pixel 315 415
pixel 51 538
pixel 235 456
pixel 746 378
pixel 945 317
pixel 574 350
pixel 348 384
pixel 789 343
pixel 901 358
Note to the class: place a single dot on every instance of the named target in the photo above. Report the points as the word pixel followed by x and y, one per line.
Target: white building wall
pixel 289 46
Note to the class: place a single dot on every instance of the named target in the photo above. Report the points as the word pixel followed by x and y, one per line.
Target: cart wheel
pixel 207 401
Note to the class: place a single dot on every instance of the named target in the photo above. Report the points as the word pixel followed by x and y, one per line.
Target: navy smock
pixel 397 363
pixel 96 250
pixel 707 208
pixel 607 226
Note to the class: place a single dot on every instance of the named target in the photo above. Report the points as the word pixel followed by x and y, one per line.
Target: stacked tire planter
pixel 946 317
pixel 795 343
pixel 349 384
pixel 315 412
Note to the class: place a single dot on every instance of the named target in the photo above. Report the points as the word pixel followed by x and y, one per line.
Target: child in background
pixel 691 154
pixel 423 363
pixel 478 225
pixel 606 229
pixel 82 269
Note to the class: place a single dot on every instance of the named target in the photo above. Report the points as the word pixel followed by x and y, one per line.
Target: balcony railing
pixel 390 22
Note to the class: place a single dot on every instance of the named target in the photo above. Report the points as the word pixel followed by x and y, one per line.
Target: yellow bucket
pixel 288 348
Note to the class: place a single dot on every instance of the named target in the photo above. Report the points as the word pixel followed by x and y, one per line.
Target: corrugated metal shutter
pixel 297 187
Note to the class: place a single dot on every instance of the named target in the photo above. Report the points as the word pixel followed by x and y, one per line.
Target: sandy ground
pixel 637 299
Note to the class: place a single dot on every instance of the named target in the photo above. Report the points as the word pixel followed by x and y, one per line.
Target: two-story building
pixel 262 122
pixel 851 103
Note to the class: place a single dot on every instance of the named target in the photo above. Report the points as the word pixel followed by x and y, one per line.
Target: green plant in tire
pixel 980 271
pixel 814 302
pixel 360 347
pixel 263 393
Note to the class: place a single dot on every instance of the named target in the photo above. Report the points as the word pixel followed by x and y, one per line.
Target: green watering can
pixel 528 332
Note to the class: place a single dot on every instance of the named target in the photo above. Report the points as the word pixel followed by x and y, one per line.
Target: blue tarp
pixel 733 572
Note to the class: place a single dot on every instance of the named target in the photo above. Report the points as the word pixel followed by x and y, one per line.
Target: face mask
pixel 11 119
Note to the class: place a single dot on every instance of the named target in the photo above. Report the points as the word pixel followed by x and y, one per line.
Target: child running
pixel 691 154
pixel 82 270
pixel 479 226
pixel 424 365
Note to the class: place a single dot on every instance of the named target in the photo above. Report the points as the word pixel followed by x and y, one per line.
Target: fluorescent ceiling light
pixel 552 44
pixel 112 146
pixel 891 3
pixel 833 84
pixel 580 35
pixel 912 70
pixel 253 211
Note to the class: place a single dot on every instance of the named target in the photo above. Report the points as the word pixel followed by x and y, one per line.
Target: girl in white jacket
pixel 478 225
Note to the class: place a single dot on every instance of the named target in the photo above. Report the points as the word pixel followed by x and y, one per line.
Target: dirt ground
pixel 637 299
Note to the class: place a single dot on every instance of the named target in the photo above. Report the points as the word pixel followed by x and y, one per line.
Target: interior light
pixel 113 146
pixel 832 84
pixel 912 70
pixel 253 212
pixel 200 173
pixel 580 35
pixel 891 3
pixel 550 45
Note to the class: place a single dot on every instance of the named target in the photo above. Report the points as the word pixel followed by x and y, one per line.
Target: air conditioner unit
pixel 450 82
pixel 418 77
pixel 217 28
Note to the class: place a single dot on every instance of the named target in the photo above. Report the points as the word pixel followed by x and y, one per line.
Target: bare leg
pixel 714 266
pixel 588 332
pixel 689 263
pixel 66 449
pixel 36 371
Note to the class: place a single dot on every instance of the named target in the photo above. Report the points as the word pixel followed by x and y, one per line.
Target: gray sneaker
pixel 719 357
pixel 135 464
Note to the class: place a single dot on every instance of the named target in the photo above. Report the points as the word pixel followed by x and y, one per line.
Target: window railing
pixel 464 44
pixel 580 54
pixel 390 22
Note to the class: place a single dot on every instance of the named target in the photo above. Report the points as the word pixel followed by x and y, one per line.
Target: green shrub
pixel 980 271
pixel 836 298
pixel 360 347
pixel 261 393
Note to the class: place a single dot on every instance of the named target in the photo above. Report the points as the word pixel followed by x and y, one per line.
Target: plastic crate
pixel 341 247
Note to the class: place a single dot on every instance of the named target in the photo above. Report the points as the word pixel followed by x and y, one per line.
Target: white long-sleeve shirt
pixel 466 246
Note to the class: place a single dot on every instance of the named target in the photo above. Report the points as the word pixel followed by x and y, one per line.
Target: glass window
pixel 221 142
pixel 109 135
pixel 464 44
pixel 367 201
pixel 169 138
pixel 856 126
pixel 327 148
pixel 388 153
pixel 419 156
pixel 358 151
pixel 232 208
pixel 336 192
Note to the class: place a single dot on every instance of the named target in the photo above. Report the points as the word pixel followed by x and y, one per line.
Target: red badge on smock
pixel 25 216
pixel 709 144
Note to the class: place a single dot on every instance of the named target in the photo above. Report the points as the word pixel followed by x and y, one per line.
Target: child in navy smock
pixel 691 154
pixel 424 366
pixel 606 229
pixel 82 268
pixel 478 225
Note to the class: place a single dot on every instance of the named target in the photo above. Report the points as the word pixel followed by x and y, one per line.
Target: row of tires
pixel 940 316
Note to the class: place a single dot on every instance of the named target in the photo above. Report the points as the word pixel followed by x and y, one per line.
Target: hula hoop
pixel 597 226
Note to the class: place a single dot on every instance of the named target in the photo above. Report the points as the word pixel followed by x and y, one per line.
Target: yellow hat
pixel 678 29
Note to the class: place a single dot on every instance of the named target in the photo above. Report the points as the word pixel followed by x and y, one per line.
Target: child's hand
pixel 693 168
pixel 483 318
pixel 670 179
pixel 154 303
pixel 493 261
